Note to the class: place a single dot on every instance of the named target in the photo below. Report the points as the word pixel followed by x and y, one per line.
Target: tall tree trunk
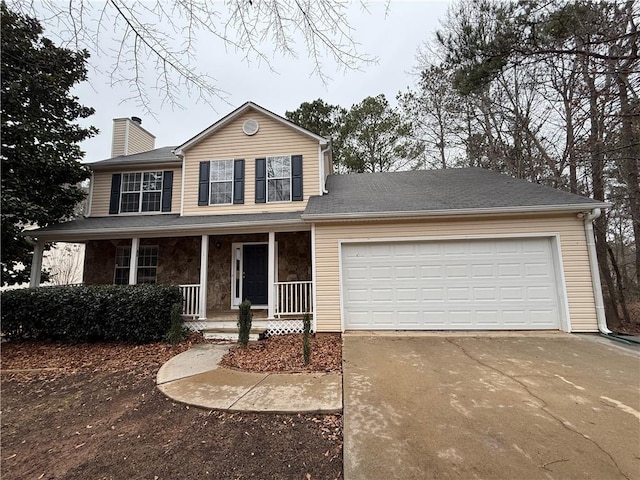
pixel 597 178
pixel 629 163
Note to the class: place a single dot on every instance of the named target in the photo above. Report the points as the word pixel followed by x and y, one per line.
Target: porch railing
pixel 190 299
pixel 293 298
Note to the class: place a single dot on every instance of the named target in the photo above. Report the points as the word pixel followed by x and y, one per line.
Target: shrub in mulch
pixel 284 353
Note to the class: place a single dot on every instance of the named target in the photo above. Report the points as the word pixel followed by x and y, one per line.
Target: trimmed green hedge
pixel 128 313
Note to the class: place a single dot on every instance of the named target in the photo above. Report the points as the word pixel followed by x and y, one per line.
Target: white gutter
pixel 595 271
pixel 332 217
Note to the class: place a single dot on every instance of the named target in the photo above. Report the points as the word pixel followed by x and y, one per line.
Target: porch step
pixel 217 324
pixel 231 333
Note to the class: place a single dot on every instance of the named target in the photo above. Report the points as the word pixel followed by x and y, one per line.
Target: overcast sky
pixel 393 36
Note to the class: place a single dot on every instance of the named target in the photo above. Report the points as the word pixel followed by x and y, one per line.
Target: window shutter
pixel 167 189
pixel 203 184
pixel 296 178
pixel 238 181
pixel 261 180
pixel 114 199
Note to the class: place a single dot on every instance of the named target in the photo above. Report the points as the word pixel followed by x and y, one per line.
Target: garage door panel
pixel 536 270
pixel 382 295
pixel 468 284
pixel 484 294
pixel 402 272
pixel 487 318
pixel 483 271
pixel 457 271
pixel 408 319
pixel 358 295
pixel 459 294
pixel 509 270
pixel 383 319
pixel 541 293
pixel 407 295
pixel 432 294
pixel 461 318
pixel 431 271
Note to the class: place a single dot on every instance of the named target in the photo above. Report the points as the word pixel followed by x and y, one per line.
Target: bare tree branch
pixel 166 36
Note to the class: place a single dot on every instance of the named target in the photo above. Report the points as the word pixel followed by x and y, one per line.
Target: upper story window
pixel 279 179
pixel 221 188
pixel 141 192
pixel 221 182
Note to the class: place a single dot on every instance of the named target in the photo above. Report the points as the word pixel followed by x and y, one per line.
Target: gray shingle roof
pixel 119 226
pixel 436 192
pixel 159 155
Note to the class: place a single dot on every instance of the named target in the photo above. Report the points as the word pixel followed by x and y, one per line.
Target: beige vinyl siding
pixel 273 138
pixel 139 139
pixel 572 238
pixel 102 190
pixel 129 138
pixel 118 141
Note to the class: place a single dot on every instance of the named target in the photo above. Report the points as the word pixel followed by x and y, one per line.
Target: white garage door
pixel 450 285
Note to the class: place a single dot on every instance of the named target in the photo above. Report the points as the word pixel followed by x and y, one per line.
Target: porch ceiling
pixel 94 228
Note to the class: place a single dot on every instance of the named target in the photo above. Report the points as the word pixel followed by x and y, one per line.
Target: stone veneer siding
pixel 179 261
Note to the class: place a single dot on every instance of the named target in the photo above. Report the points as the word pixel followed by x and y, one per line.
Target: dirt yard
pixel 93 411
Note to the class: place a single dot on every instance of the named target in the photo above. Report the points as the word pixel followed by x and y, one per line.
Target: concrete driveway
pixel 548 406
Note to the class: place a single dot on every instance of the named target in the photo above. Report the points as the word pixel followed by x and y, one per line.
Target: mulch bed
pixel 93 411
pixel 65 358
pixel 283 354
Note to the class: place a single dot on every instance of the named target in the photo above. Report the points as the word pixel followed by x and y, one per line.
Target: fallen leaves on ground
pixel 283 353
pixel 53 358
pixel 97 413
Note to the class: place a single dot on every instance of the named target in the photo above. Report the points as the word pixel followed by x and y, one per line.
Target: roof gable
pixel 237 113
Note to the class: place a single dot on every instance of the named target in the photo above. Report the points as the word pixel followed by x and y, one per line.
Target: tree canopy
pixel 373 137
pixel 40 152
pixel 323 119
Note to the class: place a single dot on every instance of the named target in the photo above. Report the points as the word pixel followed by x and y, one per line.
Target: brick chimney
pixel 129 137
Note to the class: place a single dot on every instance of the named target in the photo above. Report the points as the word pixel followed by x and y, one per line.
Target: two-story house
pixel 249 209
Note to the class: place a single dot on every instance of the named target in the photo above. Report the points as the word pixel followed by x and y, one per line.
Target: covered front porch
pixel 216 272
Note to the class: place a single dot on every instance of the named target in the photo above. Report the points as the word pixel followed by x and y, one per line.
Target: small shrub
pixel 128 313
pixel 177 331
pixel 244 323
pixel 306 340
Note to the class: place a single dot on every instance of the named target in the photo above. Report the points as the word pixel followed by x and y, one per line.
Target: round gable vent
pixel 250 127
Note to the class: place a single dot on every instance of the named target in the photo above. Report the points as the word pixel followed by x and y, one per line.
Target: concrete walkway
pixel 195 378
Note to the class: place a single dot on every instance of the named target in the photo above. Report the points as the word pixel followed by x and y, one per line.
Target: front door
pixel 255 263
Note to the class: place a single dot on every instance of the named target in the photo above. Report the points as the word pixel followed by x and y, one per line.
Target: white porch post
pixel 314 298
pixel 133 263
pixel 36 265
pixel 204 264
pixel 271 274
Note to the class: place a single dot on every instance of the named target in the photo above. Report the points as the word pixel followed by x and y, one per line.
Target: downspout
pixel 595 271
